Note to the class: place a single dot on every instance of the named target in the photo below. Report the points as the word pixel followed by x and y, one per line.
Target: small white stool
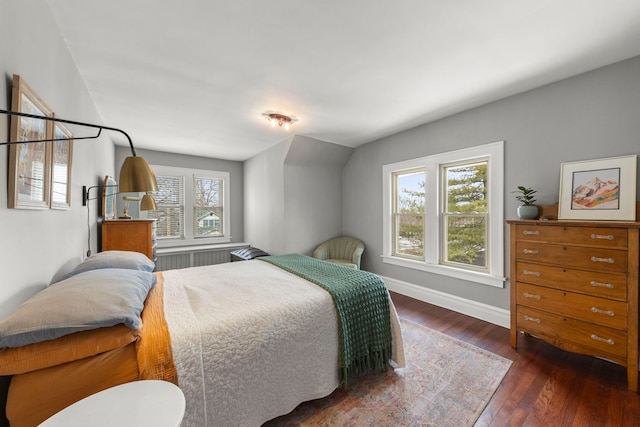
pixel 149 403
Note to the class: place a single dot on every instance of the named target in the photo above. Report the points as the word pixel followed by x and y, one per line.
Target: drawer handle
pixel 604 285
pixel 531 251
pixel 532 273
pixel 597 338
pixel 607 312
pixel 602 236
pixel 596 259
pixel 532 233
pixel 532 319
pixel 538 297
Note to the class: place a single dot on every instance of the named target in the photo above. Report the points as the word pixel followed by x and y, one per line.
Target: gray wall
pixel 590 116
pixel 313 193
pixel 236 175
pixel 293 195
pixel 39 246
pixel 264 199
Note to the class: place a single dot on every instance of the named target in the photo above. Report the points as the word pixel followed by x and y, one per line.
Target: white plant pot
pixel 527 212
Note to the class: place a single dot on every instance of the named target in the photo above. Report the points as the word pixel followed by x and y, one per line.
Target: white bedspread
pixel 251 341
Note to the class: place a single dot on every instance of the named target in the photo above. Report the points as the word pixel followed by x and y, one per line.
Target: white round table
pixel 149 403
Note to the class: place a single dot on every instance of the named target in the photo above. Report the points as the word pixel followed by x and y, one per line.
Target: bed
pixel 246 341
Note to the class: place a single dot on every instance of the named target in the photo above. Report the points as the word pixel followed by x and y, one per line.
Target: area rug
pixel 446 382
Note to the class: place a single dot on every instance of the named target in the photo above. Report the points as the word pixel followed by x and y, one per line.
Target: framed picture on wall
pixel 29 164
pixel 595 190
pixel 61 156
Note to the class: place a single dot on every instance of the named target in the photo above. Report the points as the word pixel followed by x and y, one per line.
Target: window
pixel 408 213
pixel 465 215
pixel 193 206
pixel 170 203
pixel 207 206
pixel 444 214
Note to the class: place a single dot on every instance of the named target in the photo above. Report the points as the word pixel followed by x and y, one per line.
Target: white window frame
pixel 494 152
pixel 189 175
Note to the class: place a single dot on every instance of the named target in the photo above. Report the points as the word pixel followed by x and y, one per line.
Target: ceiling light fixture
pixel 279 119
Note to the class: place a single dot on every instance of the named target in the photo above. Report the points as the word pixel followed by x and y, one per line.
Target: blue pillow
pixel 114 259
pixel 89 300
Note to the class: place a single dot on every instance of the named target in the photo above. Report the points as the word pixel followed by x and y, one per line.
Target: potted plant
pixel 526 196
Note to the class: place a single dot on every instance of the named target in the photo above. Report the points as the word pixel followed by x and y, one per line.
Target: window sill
pixel 471 276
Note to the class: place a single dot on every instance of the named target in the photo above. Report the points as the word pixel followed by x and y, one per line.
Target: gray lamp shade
pixel 136 176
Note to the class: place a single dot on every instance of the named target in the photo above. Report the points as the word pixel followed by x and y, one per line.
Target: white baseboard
pixel 488 313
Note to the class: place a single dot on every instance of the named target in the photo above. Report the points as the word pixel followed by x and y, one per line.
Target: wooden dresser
pixel 574 284
pixel 137 235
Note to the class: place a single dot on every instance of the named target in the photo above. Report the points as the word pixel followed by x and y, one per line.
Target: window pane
pixel 207 207
pixel 465 216
pixel 410 235
pixel 466 237
pixel 466 188
pixel 409 201
pixel 170 202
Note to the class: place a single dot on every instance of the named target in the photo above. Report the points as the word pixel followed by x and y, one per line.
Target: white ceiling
pixel 194 76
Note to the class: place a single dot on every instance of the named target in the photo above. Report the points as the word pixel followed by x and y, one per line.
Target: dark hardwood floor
pixel 545 386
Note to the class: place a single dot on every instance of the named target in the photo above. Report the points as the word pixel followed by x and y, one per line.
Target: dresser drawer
pixel 590 258
pixel 602 311
pixel 592 236
pixel 605 285
pixel 602 341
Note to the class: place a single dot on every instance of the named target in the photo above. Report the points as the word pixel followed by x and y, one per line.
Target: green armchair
pixel 346 251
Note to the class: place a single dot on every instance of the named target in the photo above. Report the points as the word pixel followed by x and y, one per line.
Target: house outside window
pixel 444 214
pixel 193 206
pixel 208 209
pixel 209 224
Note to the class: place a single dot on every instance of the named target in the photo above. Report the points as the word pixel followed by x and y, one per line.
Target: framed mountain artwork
pixel 598 190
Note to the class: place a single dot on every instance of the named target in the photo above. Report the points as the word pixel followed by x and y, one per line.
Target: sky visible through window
pixel 411 190
pixel 412 182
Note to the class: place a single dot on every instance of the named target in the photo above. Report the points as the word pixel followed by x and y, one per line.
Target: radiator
pixel 183 257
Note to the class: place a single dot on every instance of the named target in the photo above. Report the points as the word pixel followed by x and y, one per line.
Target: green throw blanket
pixel 362 303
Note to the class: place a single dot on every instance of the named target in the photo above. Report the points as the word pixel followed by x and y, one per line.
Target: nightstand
pixel 138 235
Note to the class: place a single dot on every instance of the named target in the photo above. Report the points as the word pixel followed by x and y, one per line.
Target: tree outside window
pixel 465 214
pixel 207 207
pixel 409 213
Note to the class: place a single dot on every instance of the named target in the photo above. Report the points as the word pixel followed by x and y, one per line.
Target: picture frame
pixel 598 190
pixel 61 160
pixel 29 182
pixel 109 191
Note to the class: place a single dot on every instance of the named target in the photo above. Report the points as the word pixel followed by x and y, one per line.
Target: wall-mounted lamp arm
pixel 51 140
pixel 135 173
pixel 71 122
pixel 85 192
